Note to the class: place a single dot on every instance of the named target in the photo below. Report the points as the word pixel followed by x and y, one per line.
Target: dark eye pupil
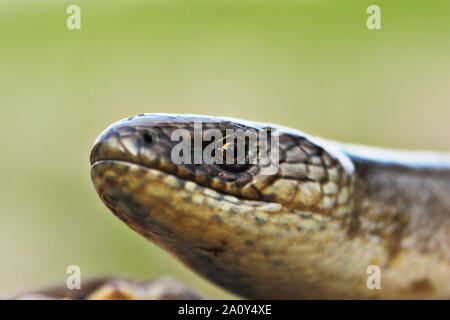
pixel 147 137
pixel 230 152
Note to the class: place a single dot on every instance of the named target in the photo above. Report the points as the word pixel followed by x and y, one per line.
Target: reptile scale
pixel 308 230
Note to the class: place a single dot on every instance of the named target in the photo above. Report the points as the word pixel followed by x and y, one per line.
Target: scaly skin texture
pixel 308 230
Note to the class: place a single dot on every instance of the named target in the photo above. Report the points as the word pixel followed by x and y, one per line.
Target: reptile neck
pixel 402 197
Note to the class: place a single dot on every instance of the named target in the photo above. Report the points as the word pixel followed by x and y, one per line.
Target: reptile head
pixel 231 220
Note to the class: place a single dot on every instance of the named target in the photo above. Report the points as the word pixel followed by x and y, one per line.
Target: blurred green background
pixel 312 65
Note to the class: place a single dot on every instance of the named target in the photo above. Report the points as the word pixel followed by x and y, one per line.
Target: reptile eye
pixel 147 137
pixel 233 160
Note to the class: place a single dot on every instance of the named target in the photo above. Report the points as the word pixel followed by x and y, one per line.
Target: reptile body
pixel 309 229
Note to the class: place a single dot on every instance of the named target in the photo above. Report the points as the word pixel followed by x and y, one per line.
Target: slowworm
pixel 309 228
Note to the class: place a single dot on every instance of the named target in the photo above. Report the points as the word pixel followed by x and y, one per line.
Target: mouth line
pixel 217 200
pixel 207 191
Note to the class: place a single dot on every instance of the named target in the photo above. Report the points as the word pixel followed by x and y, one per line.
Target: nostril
pixel 147 137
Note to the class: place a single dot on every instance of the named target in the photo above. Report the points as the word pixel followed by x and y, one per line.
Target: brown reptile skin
pixel 308 230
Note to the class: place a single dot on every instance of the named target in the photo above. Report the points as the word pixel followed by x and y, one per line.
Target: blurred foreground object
pixel 164 288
